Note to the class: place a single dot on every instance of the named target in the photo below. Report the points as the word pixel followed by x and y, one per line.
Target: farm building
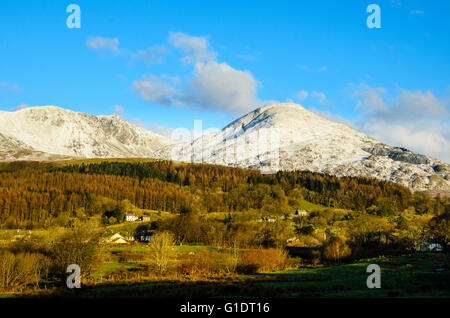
pixel 430 246
pixel 116 238
pixel 301 213
pixel 130 217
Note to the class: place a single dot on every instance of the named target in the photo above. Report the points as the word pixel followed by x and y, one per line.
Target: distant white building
pixel 145 238
pixel 430 247
pixel 267 219
pixel 301 213
pixel 116 238
pixel 130 217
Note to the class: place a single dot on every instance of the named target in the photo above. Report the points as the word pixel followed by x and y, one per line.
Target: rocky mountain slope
pixel 53 132
pixel 286 136
pixel 281 136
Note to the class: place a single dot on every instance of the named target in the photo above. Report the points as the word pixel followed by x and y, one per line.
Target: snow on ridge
pixel 286 136
pixel 277 136
pixel 55 130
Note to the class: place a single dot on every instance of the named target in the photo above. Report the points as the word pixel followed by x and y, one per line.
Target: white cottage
pixel 116 238
pixel 130 217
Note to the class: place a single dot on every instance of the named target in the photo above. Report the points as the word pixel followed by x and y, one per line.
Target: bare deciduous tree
pixel 161 245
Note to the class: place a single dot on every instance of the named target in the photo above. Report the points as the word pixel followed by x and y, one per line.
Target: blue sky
pixel 167 63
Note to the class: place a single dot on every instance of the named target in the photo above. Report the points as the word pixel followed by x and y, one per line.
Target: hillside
pixel 280 136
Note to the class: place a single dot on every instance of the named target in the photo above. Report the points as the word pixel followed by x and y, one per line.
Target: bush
pixel 247 269
pixel 78 246
pixel 209 262
pixel 22 269
pixel 263 260
pixel 161 245
pixel 306 230
pixel 131 257
pixel 336 249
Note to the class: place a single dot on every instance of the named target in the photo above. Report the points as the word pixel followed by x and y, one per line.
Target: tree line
pixel 32 193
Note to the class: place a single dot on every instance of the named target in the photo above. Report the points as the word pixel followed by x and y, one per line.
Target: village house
pixel 301 213
pixel 267 219
pixel 431 246
pixel 131 217
pixel 290 216
pixel 146 238
pixel 116 238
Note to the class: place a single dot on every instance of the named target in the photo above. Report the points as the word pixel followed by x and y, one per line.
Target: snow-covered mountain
pixel 286 136
pixel 281 136
pixel 50 132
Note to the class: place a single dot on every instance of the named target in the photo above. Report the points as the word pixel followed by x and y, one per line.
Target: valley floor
pixel 401 276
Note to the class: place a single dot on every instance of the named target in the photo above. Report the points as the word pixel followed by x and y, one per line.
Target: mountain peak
pixel 286 136
pixel 42 108
pixel 55 130
pixel 280 107
pixel 277 136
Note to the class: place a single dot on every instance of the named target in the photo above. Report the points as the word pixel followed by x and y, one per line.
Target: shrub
pixel 161 245
pixel 130 257
pixel 209 262
pixel 336 249
pixel 19 270
pixel 263 260
pixel 78 246
pixel 306 230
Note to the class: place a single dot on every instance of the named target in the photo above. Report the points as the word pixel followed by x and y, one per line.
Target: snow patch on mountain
pixel 286 136
pixel 54 130
pixel 278 136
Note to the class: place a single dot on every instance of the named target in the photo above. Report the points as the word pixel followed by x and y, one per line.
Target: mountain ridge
pixel 59 131
pixel 277 136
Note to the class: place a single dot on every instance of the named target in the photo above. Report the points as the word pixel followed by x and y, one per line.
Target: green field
pixel 402 276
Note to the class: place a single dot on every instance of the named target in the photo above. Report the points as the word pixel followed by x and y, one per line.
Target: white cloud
pixel 118 109
pixel 218 86
pixel 212 85
pixel 151 55
pixel 246 57
pixel 12 88
pixel 396 3
pixel 416 12
pixel 21 106
pixel 155 89
pixel 302 95
pixel 303 67
pixel 161 130
pixel 195 49
pixel 100 43
pixel 319 95
pixel 425 140
pixel 333 117
pixel 369 98
pixel 322 69
pixel 415 120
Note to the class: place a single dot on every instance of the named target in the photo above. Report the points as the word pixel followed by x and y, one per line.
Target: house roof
pixel 116 238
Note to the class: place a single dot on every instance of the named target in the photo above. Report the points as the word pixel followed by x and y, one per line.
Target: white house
pixel 130 217
pixel 430 247
pixel 146 238
pixel 116 238
pixel 301 213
